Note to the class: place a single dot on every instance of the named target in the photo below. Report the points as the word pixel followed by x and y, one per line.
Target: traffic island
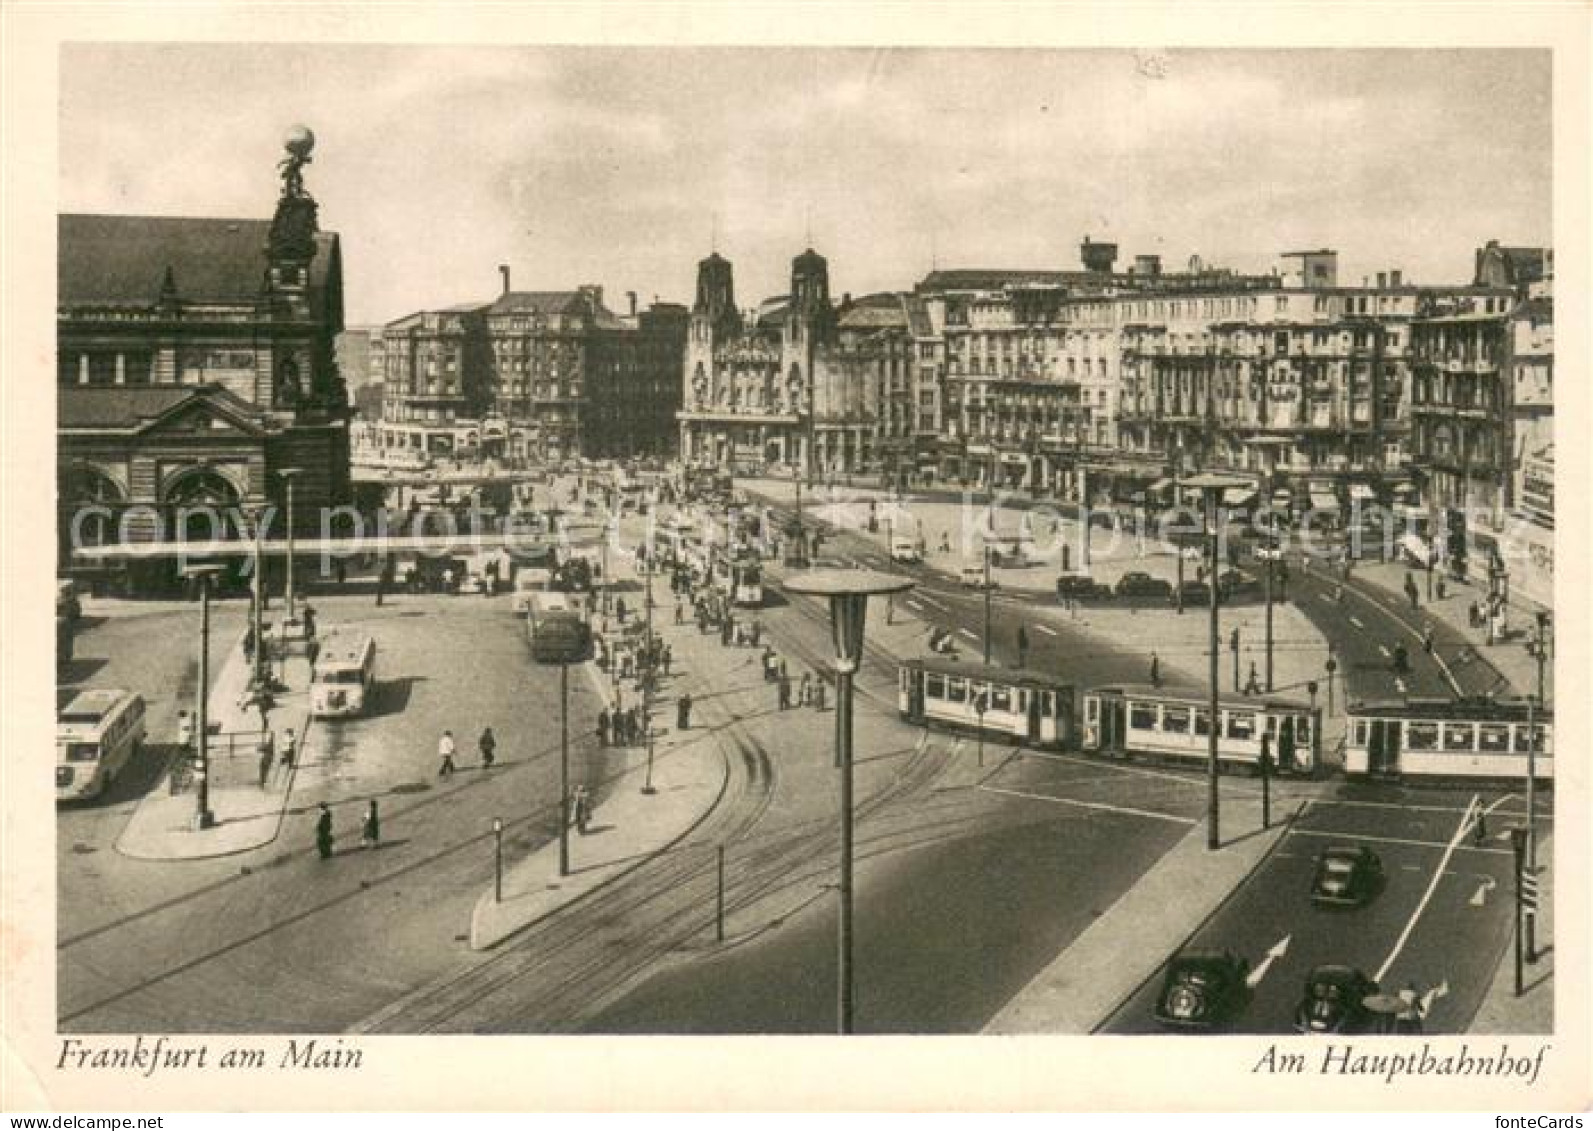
pixel 246 815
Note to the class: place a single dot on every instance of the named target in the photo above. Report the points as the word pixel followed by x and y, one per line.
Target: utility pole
pixel 987 604
pixel 1178 510
pixel 649 672
pixel 1535 704
pixel 1272 563
pixel 290 474
pixel 203 817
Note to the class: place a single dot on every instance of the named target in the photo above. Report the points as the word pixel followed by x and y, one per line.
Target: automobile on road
pixel 1203 989
pixel 973 576
pixel 1335 1001
pixel 1137 584
pixel 1080 587
pixel 905 550
pixel 1347 875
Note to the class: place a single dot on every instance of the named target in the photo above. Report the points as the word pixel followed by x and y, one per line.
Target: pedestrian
pixel 782 668
pixel 312 649
pixel 323 833
pixel 667 658
pixel 727 629
pixel 445 751
pixel 583 809
pixel 633 726
pixel 1440 586
pixel 488 744
pixel 267 757
pixel 448 579
pixel 248 644
pixel 680 611
pixel 757 632
pixel 683 713
pixel 1427 637
pixel 371 830
pixel 1410 589
pixel 818 694
pixel 619 608
pixel 289 749
pixel 309 623
pixel 1479 831
pixel 1023 646
pixel 805 689
pixel 785 692
pixel 1408 1021
pixel 1155 670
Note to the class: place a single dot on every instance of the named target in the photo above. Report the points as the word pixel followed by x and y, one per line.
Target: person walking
pixel 371 829
pixel 488 745
pixel 619 608
pixel 445 751
pixel 666 658
pixel 1427 637
pixel 1410 589
pixel 583 809
pixel 309 622
pixel 1023 646
pixel 805 690
pixel 289 751
pixel 267 756
pixel 323 833
pixel 785 691
pixel 680 611
pixel 602 727
pixel 1155 670
pixel 683 713
pixel 818 693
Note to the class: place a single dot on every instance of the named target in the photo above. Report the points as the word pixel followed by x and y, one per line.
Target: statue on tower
pixel 294 226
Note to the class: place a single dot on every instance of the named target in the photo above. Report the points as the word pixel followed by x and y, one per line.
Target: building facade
pixel 195 365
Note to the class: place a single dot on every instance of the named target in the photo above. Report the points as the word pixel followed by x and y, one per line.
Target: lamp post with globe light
pixel 847 591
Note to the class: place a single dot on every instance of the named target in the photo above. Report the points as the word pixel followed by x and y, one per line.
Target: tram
pixel 1447 738
pixel 1173 724
pixel 1025 707
pixel 746 582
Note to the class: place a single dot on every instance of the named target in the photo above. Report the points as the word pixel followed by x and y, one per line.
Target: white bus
pixel 95 735
pixel 345 674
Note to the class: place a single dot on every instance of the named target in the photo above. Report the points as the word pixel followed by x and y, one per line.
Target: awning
pixel 1361 491
pixel 1322 501
pixel 979 449
pixel 1160 485
pixel 1283 495
pixel 1014 457
pixel 1237 496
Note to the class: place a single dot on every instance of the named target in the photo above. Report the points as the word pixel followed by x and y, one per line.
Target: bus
pixel 746 581
pixel 344 677
pixel 1019 706
pixel 1447 738
pixel 1173 724
pixel 95 736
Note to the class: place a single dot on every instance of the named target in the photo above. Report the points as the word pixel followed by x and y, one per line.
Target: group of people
pixel 619 727
pixel 809 691
pixel 447 748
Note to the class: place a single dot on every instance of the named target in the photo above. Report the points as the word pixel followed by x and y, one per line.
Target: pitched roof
pixel 879 311
pixel 555 302
pixel 129 406
pixel 123 260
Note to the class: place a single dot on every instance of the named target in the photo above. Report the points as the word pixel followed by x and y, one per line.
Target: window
pixel 1360 732
pixel 935 686
pixel 1142 716
pixel 1421 736
pixel 1460 736
pixel 1000 699
pixel 1522 741
pixel 1202 721
pixel 957 691
pixel 1092 708
pixel 1493 738
pixel 1175 720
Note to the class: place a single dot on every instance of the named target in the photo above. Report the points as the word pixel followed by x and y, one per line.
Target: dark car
pixel 1347 874
pixel 1202 989
pixel 1079 587
pixel 1335 1001
pixel 1143 585
pixel 1195 593
pixel 1233 583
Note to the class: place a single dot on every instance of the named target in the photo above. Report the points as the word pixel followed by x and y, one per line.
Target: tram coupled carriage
pixel 1446 738
pixel 1173 724
pixel 746 582
pixel 1025 707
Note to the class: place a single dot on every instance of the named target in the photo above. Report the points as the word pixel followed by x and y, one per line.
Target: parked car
pixel 1080 587
pixel 906 550
pixel 1335 1001
pixel 1232 583
pixel 1202 989
pixel 1347 875
pixel 1195 593
pixel 1136 584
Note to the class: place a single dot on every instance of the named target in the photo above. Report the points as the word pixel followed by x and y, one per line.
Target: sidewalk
pixel 1509 657
pixel 1084 984
pixel 163 825
pixel 1533 1012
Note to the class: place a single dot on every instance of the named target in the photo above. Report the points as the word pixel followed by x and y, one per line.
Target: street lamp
pixel 848 592
pixel 649 668
pixel 257 677
pixel 1538 649
pixel 290 474
pixel 203 817
pixel 1211 488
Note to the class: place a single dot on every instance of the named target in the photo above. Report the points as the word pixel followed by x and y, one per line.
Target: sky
pixel 625 166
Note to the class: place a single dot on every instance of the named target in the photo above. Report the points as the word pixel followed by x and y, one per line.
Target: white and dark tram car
pixel 1448 738
pixel 1173 725
pixel 1026 707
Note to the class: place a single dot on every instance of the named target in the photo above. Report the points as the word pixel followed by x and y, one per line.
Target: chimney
pixel 631 297
pixel 1382 280
pixel 1150 265
pixel 503 270
pixel 1394 278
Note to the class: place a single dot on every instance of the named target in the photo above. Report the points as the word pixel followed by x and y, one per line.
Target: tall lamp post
pixel 1539 651
pixel 848 592
pixel 203 817
pixel 257 618
pixel 290 474
pixel 1211 488
pixel 649 671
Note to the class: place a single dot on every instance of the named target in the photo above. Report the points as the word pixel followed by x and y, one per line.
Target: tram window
pixel 1493 738
pixel 1000 699
pixel 1272 727
pixel 1241 724
pixel 1023 701
pixel 1202 722
pixel 1521 738
pixel 1047 709
pixel 1360 732
pixel 957 690
pixel 1302 730
pixel 1421 736
pixel 1175 720
pixel 935 686
pixel 1460 736
pixel 1092 708
pixel 1142 716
